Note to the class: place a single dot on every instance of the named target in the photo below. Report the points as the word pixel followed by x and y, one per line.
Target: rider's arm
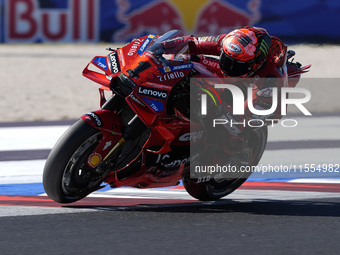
pixel 209 45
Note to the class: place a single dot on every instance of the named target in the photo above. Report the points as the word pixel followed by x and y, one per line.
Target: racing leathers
pixel 272 74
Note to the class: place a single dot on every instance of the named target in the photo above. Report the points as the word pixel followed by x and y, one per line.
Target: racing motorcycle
pixel 140 137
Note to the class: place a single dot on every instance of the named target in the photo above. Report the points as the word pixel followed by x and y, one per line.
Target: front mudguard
pixel 104 120
pixel 110 125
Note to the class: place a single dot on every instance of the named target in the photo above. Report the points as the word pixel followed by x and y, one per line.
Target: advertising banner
pixel 25 21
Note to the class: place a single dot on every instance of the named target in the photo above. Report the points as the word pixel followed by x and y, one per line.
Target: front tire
pixel 66 176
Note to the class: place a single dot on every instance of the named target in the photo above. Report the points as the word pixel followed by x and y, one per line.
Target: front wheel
pixel 215 189
pixel 67 177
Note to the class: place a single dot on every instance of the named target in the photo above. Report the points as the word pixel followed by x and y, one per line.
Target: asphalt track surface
pixel 227 227
pixel 259 218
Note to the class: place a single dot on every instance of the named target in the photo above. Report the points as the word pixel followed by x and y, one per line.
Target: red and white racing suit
pixel 273 73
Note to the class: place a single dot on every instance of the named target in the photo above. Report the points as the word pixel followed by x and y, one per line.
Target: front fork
pixel 131 131
pixel 118 123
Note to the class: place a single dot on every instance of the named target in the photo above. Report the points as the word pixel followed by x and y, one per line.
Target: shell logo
pixel 94 159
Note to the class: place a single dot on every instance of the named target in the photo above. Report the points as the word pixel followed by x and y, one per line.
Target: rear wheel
pixel 217 188
pixel 67 177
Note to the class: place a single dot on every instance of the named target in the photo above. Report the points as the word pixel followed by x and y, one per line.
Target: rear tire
pixel 66 176
pixel 216 189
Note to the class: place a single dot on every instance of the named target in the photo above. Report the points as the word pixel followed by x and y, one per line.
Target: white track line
pixel 44 137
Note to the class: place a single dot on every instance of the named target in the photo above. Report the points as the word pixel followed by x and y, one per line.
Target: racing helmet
pixel 244 51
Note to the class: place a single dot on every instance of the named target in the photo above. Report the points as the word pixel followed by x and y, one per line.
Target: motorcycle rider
pixel 246 52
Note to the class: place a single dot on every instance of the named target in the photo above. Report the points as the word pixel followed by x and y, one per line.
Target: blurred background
pixel 45 44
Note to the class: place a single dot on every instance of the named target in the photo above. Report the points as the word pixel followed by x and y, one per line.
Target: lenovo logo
pixel 160 94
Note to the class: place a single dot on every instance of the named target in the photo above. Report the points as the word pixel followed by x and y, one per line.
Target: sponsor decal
pixel 234 48
pixel 202 39
pixel 121 57
pixel 244 40
pixel 264 47
pixel 176 68
pixel 191 136
pixel 208 38
pixel 81 20
pixel 163 159
pixel 152 57
pixel 211 63
pixel 96 118
pixel 136 100
pixel 157 106
pixel 166 69
pixel 94 159
pixel 100 62
pixel 114 63
pixel 203 179
pixel 107 145
pixel 159 86
pixel 159 94
pixel 53 21
pixel 182 67
pixel 145 44
pixel 134 47
pixel 170 76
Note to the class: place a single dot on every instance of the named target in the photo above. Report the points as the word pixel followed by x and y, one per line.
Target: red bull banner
pixel 24 21
pixel 50 21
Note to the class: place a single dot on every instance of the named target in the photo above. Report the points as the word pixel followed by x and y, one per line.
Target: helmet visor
pixel 234 68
